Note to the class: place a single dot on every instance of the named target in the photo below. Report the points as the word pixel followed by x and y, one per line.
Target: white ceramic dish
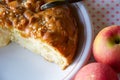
pixel 17 63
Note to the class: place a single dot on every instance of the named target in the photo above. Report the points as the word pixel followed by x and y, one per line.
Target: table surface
pixel 103 13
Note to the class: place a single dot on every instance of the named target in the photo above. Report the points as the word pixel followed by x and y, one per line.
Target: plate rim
pixel 89 41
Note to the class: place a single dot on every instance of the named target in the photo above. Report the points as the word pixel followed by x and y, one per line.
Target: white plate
pixel 17 63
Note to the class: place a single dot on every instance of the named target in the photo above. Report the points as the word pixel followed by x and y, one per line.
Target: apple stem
pixel 117 41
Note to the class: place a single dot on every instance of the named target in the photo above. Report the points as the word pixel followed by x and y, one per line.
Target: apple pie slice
pixel 52 33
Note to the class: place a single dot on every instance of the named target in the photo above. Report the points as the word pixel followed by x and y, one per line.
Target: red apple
pixel 106 47
pixel 96 71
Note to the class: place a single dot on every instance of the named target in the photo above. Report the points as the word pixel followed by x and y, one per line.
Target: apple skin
pixel 96 71
pixel 106 47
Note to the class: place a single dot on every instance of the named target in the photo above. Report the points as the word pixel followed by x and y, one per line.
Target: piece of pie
pixel 52 33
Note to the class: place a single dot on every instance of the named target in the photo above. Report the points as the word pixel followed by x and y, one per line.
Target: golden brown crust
pixel 55 26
